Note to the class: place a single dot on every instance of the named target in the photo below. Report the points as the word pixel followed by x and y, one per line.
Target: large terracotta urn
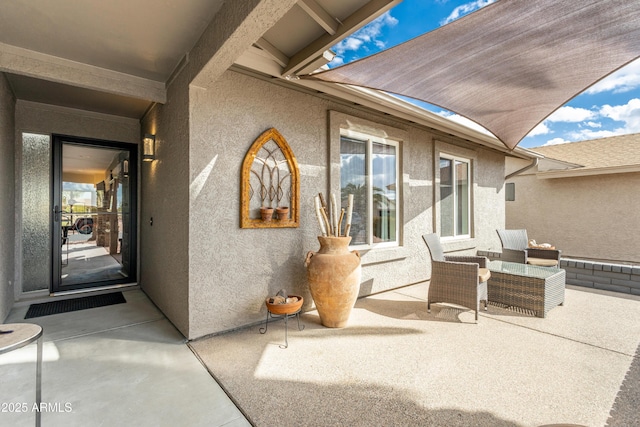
pixel 334 279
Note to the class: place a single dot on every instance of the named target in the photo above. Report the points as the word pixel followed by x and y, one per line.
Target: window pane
pixel 353 180
pixel 384 192
pixel 510 191
pixel 447 204
pixel 462 198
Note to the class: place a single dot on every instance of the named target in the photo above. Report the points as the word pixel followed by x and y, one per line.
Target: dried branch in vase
pixel 330 219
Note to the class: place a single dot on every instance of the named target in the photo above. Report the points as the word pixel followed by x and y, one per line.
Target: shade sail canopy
pixel 509 65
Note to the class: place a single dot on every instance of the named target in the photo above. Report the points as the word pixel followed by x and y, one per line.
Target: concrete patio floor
pixel 121 365
pixel 398 365
pixel 395 364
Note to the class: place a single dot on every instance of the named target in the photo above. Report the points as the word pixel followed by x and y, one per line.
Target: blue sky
pixel 611 107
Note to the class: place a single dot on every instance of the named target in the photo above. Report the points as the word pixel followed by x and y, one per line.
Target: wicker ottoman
pixel 530 287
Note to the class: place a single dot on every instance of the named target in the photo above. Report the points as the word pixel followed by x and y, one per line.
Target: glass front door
pixel 93 213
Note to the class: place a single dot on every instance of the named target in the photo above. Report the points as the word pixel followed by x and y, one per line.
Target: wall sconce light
pixel 125 168
pixel 149 148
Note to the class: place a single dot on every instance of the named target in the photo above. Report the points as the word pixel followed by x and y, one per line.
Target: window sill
pixel 456 245
pixel 376 256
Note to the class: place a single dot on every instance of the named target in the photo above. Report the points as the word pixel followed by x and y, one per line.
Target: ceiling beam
pixel 273 52
pixel 321 16
pixel 359 18
pixel 326 57
pixel 236 27
pixel 257 59
pixel 29 63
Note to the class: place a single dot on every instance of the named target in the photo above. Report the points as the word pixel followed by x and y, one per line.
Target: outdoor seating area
pixel 375 171
pixel 458 280
pixel 528 287
pixel 468 280
pixel 516 248
pixel 394 364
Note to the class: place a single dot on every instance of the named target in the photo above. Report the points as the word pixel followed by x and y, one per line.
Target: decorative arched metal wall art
pixel 270 179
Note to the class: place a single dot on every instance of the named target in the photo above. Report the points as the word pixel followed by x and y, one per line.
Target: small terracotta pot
pixel 282 213
pixel 281 309
pixel 266 213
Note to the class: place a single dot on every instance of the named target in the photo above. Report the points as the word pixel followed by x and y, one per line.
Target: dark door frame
pixel 55 208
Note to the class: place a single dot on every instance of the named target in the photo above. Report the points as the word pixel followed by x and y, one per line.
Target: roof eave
pixel 588 172
pixel 256 61
pixel 400 108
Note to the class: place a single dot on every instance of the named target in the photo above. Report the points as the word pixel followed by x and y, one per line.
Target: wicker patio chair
pixel 515 248
pixel 459 280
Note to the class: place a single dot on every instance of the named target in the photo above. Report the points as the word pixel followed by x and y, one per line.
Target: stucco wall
pixel 232 270
pixel 489 204
pixel 49 119
pixel 166 183
pixel 164 246
pixel 591 217
pixel 7 197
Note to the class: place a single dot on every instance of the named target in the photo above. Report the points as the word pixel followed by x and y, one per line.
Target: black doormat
pixel 65 306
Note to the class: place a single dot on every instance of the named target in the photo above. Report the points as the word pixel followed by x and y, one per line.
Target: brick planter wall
pixel 592 274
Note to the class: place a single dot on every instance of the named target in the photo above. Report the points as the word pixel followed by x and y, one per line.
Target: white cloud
pixel 556 141
pixel 350 43
pixel 337 61
pixel 586 134
pixel 465 9
pixel 571 115
pixel 366 35
pixel 628 113
pixel 541 129
pixel 623 80
pixel 563 115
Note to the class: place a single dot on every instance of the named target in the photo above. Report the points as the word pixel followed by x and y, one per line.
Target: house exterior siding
pixel 166 246
pixel 588 217
pixel 49 119
pixel 232 270
pixel 164 211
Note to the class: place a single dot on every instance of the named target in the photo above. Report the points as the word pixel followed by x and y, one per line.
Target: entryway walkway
pixel 121 365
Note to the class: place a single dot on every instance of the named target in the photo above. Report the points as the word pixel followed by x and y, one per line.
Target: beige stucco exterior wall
pixel 232 270
pixel 488 203
pixel 7 196
pixel 166 183
pixel 590 217
pixel 50 119
pixel 204 272
pixel 164 197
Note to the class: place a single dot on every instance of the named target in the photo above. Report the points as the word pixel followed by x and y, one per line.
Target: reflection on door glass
pixel 95 185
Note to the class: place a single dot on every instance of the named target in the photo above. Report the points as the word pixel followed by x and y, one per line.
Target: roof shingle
pixel 616 151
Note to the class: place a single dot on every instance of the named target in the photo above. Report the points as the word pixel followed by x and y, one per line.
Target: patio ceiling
pixel 112 57
pixel 116 57
pixel 509 65
pixel 300 42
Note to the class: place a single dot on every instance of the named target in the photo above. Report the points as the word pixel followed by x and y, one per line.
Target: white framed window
pixel 369 169
pixel 455 196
